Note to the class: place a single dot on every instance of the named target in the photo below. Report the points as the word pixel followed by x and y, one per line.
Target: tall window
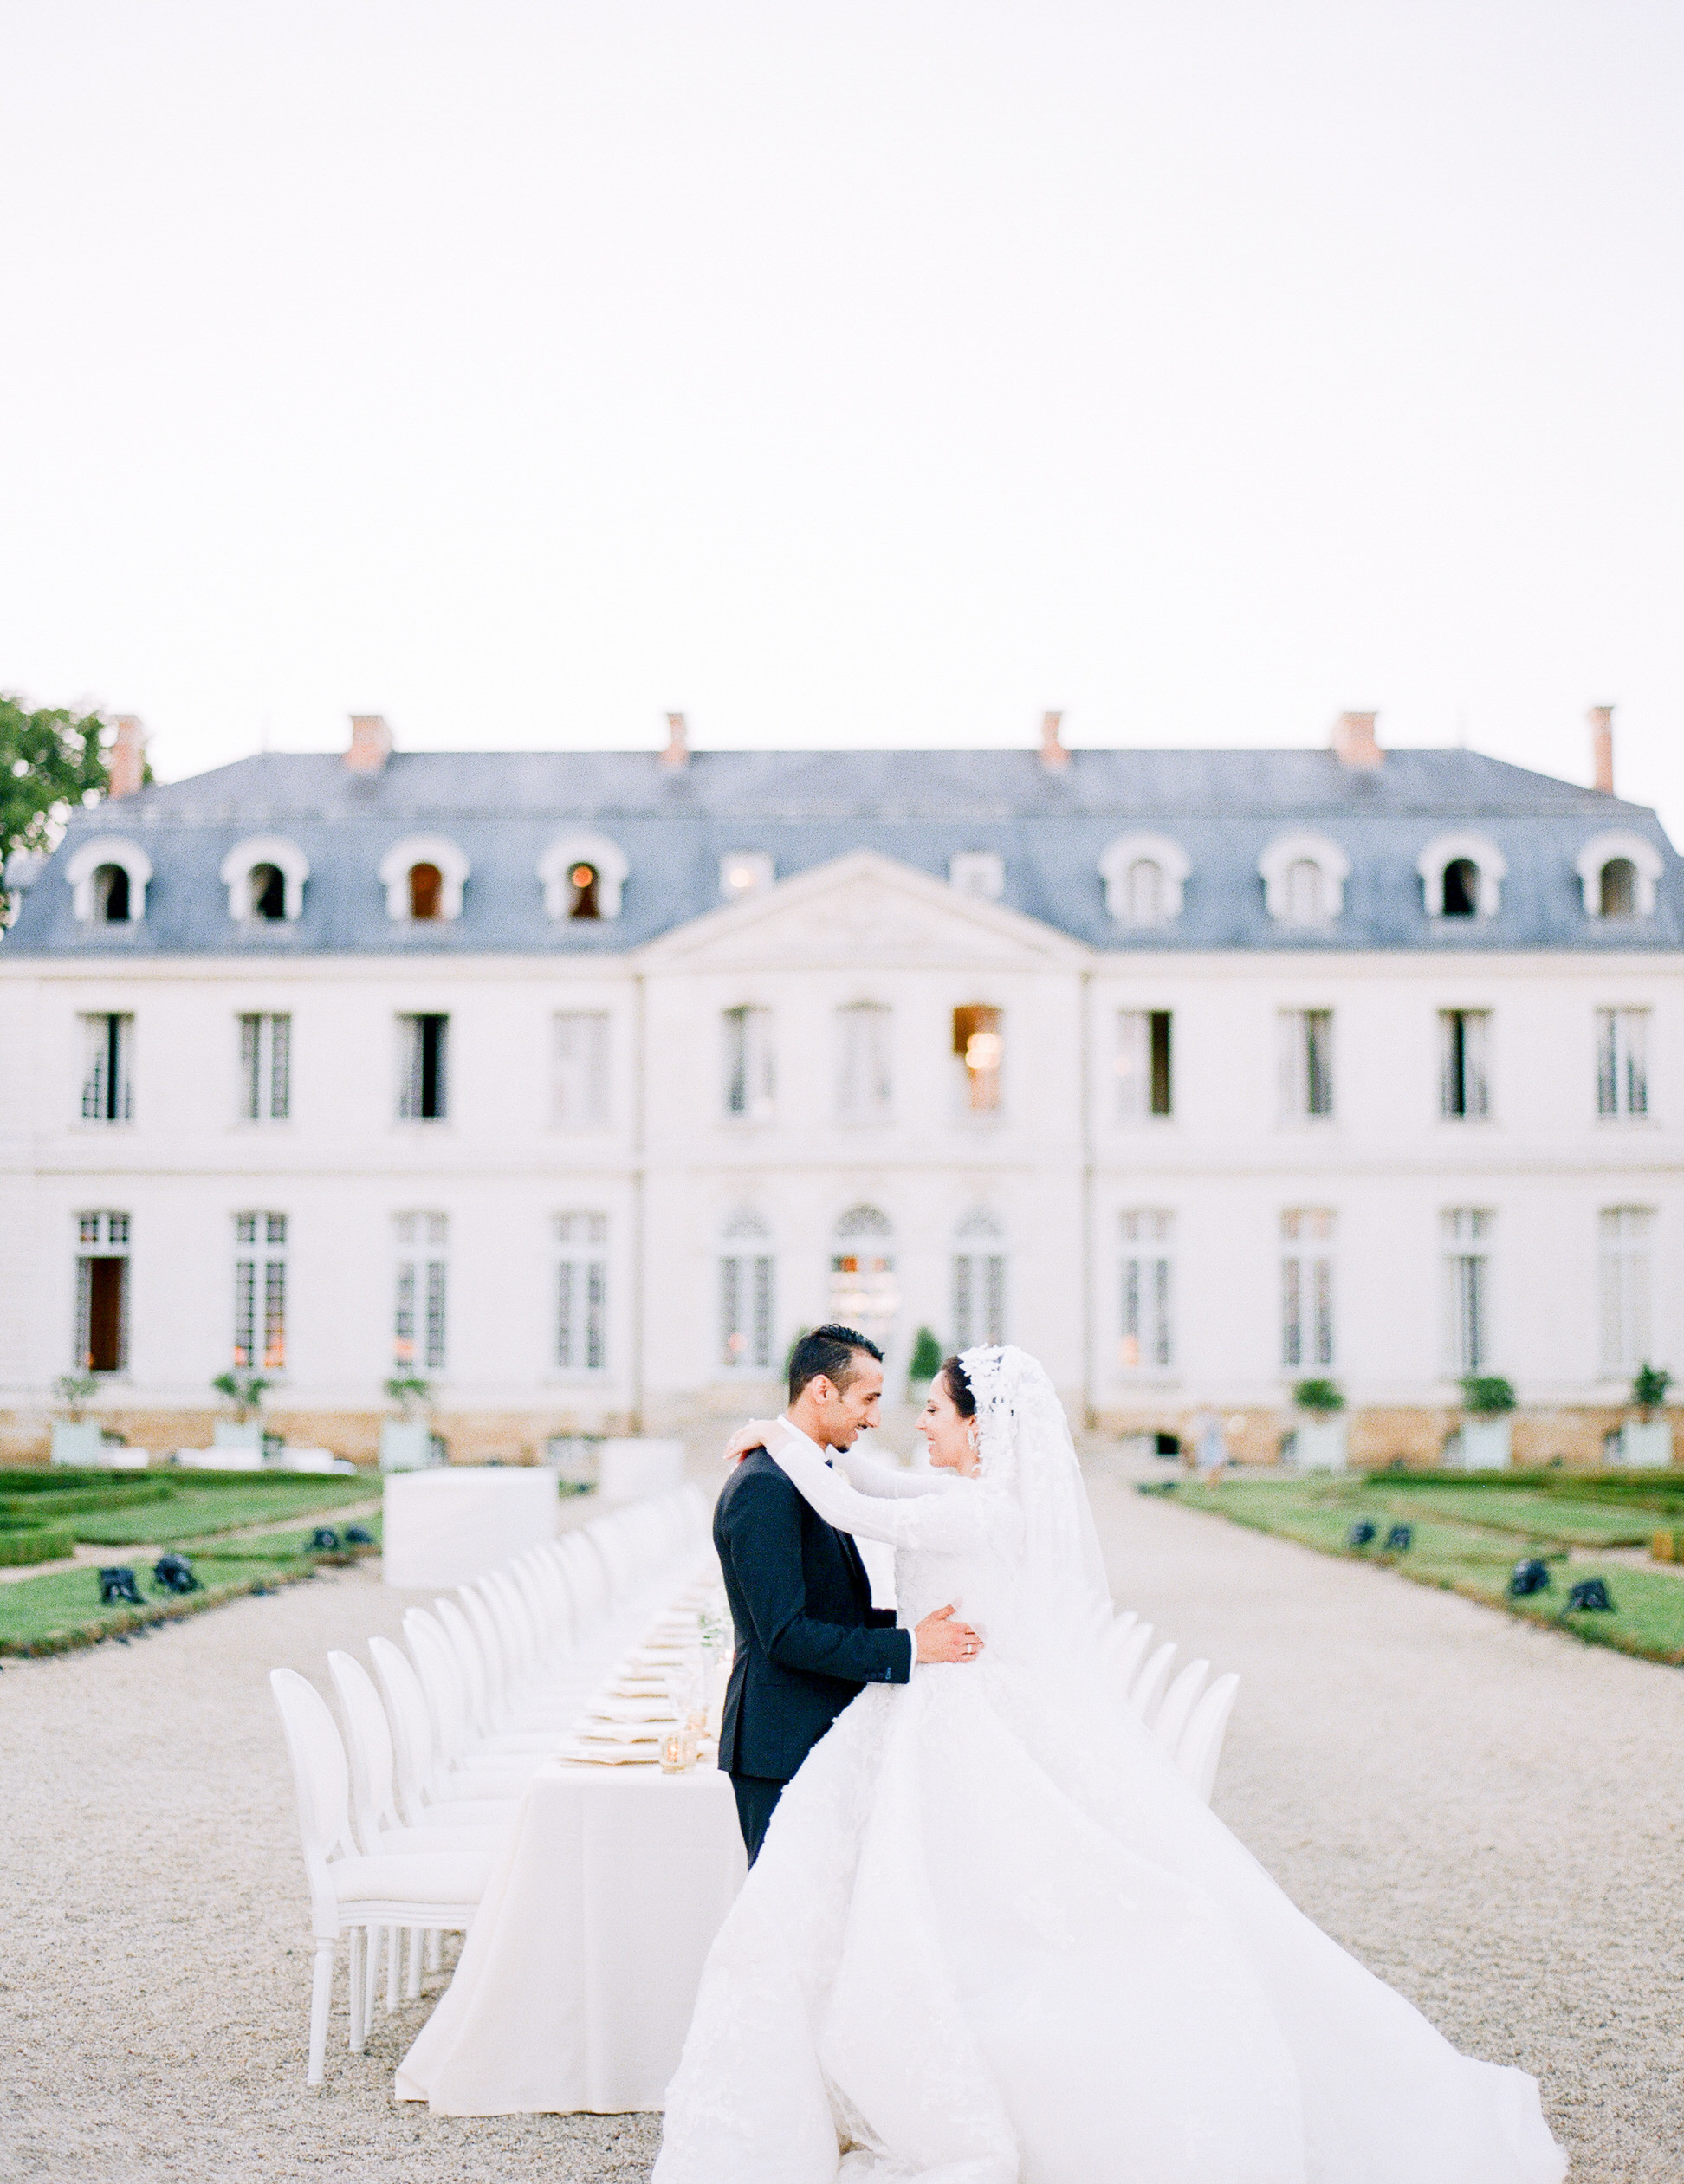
pixel 980 1045
pixel 1461 888
pixel 1619 888
pixel 1306 893
pixel 1148 1322
pixel 1464 1045
pixel 426 891
pixel 1625 1288
pixel 260 1291
pixel 978 1281
pixel 1306 1287
pixel 1622 1061
pixel 579 1079
pixel 581 1291
pixel 102 1278
pixel 422 1240
pixel 265 1068
pixel 107 1092
pixel 423 1078
pixel 1144 1085
pixel 1467 1290
pixel 864 1294
pixel 745 1295
pixel 1306 1062
pixel 864 1086
pixel 750 1078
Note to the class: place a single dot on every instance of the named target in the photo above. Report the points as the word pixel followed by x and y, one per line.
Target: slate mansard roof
pixel 502 809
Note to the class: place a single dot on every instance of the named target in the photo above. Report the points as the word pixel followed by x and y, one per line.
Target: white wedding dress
pixel 992 1937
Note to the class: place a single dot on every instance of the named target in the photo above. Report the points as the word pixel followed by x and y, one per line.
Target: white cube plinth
pixel 449 1526
pixel 632 1470
pixel 1320 1443
pixel 1646 1443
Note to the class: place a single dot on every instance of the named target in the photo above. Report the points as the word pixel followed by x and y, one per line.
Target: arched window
pixel 1619 888
pixel 423 875
pixel 746 1294
pixel 581 876
pixel 1145 876
pixel 264 876
pixel 979 1280
pixel 1461 876
pixel 864 1294
pixel 426 891
pixel 108 878
pixel 1304 877
pixel 1618 874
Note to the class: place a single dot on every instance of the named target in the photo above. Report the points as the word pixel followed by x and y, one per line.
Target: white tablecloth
pixel 576 1982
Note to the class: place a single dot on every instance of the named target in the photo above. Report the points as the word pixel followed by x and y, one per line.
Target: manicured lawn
pixel 197 1512
pixel 1474 1557
pixel 55 1612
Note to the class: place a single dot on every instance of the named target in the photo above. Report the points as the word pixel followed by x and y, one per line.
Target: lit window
pixel 581 1291
pixel 1466 1291
pixel 1464 1048
pixel 1306 1288
pixel 265 1068
pixel 102 1286
pixel 423 1077
pixel 1623 1063
pixel 745 871
pixel 865 1293
pixel 980 1047
pixel 749 1072
pixel 580 1078
pixel 418 1329
pixel 259 1291
pixel 426 891
pixel 107 1091
pixel 1306 1063
pixel 1147 1333
pixel 1144 1086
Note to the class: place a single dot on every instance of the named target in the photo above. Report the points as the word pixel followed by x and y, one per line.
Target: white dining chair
pixel 1200 1751
pixel 474 1771
pixel 428 1793
pixel 1149 1686
pixel 350 1893
pixel 1179 1702
pixel 1123 1660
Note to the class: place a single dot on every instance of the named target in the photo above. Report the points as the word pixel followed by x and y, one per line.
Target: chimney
pixel 1602 747
pixel 1354 740
pixel 370 743
pixel 128 757
pixel 1054 755
pixel 677 744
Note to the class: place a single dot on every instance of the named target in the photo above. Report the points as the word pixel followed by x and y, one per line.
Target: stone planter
pixel 1646 1444
pixel 77 1442
pixel 406 1444
pixel 1484 1444
pixel 237 1433
pixel 1318 1441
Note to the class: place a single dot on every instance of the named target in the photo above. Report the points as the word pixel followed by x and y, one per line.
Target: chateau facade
pixel 576 1084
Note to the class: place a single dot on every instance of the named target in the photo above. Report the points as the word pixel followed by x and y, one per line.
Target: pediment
pixel 864 908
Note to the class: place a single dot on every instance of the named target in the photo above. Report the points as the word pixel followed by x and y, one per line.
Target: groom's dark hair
pixel 828 1352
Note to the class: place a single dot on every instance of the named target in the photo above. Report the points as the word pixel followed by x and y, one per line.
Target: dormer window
pixel 264 876
pixel 423 875
pixel 1617 875
pixel 1461 876
pixel 581 876
pixel 1304 877
pixel 1144 876
pixel 108 877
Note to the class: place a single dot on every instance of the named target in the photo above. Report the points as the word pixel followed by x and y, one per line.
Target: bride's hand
pixel 743 1442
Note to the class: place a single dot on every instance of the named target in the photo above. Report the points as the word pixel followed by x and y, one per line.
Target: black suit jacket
pixel 807 1637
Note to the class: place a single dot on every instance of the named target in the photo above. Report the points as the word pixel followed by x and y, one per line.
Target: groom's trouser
pixel 756 1801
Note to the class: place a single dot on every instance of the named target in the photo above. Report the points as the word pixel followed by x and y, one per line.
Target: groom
pixel 808 1639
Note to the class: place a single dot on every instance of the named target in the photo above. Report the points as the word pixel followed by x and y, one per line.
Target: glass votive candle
pixel 675 1752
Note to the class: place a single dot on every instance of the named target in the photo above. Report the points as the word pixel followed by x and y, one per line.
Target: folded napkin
pixel 612 1755
pixel 649 1709
pixel 621 1733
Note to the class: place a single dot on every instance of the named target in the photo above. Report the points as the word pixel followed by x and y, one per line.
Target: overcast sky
pixel 848 373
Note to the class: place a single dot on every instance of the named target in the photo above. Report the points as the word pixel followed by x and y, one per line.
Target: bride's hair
pixel 959 1388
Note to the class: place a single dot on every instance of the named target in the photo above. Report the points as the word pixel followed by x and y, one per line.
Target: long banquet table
pixel 576 1982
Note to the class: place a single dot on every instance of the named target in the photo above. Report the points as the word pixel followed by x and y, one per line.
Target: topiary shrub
pixel 1648 1389
pixel 1323 1397
pixel 1488 1396
pixel 926 1357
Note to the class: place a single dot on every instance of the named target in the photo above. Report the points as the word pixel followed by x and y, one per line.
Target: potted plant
pixel 1484 1442
pixel 1318 1440
pixel 406 1442
pixel 75 1440
pixel 244 1391
pixel 926 1362
pixel 1646 1441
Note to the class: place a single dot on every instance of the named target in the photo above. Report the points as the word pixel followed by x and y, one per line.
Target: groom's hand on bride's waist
pixel 942 1636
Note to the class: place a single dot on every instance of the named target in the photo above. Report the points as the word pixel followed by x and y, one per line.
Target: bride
pixel 992 1937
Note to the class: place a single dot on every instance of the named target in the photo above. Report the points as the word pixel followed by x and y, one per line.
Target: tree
pixel 49 759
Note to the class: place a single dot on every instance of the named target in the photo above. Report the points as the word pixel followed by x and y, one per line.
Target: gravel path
pixel 1485 1813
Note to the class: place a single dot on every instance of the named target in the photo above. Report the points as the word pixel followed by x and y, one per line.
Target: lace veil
pixel 1027 1456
